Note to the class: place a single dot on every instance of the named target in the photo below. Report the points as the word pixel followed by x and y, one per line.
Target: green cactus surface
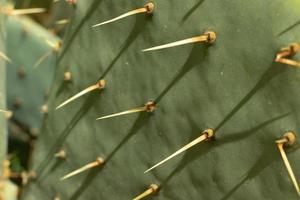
pixel 28 87
pixel 233 86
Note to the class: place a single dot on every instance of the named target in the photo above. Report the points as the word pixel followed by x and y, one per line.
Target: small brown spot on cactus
pixel 148 8
pixel 67 76
pixel 99 85
pixel 61 154
pixel 288 139
pixel 208 37
pixel 286 52
pixel 7 113
pixel 24 31
pixel 206 135
pixel 5 57
pixel 152 190
pixel 46 93
pixel 17 102
pixel 148 107
pixel 99 162
pixel 44 109
pixel 34 132
pixel 21 72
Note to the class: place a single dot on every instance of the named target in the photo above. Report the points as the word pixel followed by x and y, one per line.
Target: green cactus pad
pixel 233 86
pixel 28 87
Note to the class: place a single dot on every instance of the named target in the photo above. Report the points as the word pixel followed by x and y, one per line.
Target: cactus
pixel 234 87
pixel 28 87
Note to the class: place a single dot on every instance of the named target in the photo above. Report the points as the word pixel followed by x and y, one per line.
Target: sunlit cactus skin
pixel 233 86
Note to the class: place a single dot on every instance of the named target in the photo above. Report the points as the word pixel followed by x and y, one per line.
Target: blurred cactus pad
pixel 28 85
pixel 233 86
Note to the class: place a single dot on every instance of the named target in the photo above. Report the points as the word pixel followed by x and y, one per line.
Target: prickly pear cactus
pixel 232 86
pixel 28 86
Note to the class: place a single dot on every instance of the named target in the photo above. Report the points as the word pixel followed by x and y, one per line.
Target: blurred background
pixel 31 45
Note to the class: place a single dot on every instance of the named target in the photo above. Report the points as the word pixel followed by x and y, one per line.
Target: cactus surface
pixel 232 86
pixel 28 87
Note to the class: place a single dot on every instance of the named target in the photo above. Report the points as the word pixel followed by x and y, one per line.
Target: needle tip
pixel 96 25
pixel 105 117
